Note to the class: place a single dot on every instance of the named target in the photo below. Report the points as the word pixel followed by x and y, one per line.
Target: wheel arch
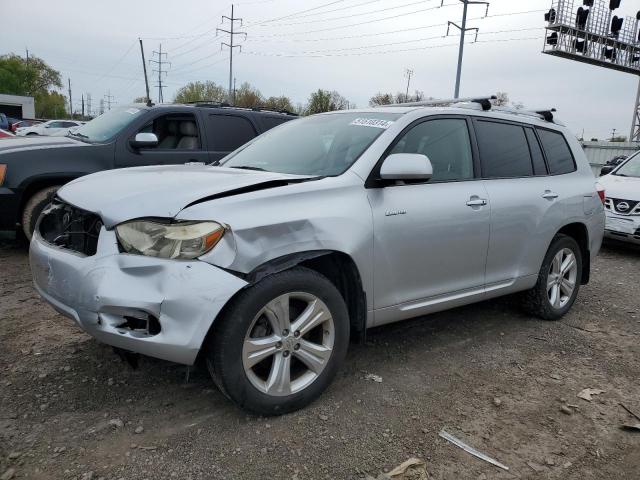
pixel 37 183
pixel 580 233
pixel 338 267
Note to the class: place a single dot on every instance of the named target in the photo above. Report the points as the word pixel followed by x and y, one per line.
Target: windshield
pixel 631 168
pixel 108 124
pixel 320 145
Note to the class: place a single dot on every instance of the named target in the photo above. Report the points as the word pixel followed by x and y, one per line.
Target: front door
pixel 180 140
pixel 431 239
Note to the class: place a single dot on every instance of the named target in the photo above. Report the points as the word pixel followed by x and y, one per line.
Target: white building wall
pixel 27 104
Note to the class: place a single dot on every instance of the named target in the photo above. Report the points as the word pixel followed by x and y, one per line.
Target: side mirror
pixel 144 140
pixel 406 166
pixel 607 169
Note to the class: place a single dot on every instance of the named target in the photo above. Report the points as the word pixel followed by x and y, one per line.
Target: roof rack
pixel 212 104
pixel 485 102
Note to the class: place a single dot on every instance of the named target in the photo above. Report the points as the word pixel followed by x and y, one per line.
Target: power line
pixel 380 52
pixel 463 30
pixel 354 14
pixel 232 34
pixel 108 98
pixel 275 19
pixel 160 62
pixel 306 32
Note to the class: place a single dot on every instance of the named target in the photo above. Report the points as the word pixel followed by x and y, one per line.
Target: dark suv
pixel 32 169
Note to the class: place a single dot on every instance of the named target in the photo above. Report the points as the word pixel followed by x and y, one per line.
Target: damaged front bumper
pixel 156 307
pixel 622 227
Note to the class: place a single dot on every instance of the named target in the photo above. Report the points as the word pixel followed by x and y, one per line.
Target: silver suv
pixel 267 264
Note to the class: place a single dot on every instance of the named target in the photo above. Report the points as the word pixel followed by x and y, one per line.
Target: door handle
pixel 476 202
pixel 549 195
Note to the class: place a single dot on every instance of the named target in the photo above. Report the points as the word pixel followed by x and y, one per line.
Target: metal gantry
pixel 589 31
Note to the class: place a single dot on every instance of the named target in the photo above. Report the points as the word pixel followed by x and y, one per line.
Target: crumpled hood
pixel 161 191
pixel 624 188
pixel 23 144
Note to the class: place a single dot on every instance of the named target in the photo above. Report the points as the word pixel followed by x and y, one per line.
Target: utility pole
pixel 613 134
pixel 234 90
pixel 27 48
pixel 407 73
pixel 144 68
pixel 70 102
pixel 159 71
pixel 108 98
pixel 463 30
pixel 231 46
pixel 83 106
pixel 88 104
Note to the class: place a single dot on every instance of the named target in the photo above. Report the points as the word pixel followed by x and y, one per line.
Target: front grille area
pixel 628 206
pixel 68 227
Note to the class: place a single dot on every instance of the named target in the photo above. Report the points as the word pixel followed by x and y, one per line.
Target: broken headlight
pixel 180 240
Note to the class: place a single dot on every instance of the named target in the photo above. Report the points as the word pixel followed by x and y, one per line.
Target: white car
pixel 622 203
pixel 52 127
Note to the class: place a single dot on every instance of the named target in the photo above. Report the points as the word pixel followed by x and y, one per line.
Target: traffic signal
pixel 613 4
pixel 550 16
pixel 616 25
pixel 552 39
pixel 581 18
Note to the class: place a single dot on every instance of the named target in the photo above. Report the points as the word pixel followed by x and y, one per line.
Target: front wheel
pixel 558 280
pixel 34 207
pixel 280 342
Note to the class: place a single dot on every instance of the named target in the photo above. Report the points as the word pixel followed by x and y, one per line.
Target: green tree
pixel 279 104
pixel 201 92
pixel 248 96
pixel 50 105
pixel 21 77
pixel 326 101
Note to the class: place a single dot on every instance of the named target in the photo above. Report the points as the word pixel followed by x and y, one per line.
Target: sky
pixel 356 47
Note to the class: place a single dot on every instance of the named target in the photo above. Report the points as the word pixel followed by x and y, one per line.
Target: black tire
pixel 536 301
pixel 224 347
pixel 33 208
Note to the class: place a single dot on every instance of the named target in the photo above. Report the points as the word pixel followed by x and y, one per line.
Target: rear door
pixel 227 131
pixel 524 207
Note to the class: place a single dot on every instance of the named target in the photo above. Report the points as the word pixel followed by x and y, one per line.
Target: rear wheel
pixel 280 342
pixel 33 208
pixel 558 280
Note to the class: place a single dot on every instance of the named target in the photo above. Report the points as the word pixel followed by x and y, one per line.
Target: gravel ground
pixel 491 376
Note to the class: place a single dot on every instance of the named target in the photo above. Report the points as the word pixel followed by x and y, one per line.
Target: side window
pixel 504 151
pixel 446 142
pixel 558 153
pixel 539 167
pixel 56 125
pixel 174 132
pixel 270 122
pixel 228 132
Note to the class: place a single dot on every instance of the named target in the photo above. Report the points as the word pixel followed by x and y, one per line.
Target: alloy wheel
pixel 288 344
pixel 562 277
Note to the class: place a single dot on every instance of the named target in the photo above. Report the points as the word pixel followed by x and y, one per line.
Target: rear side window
pixel 504 150
pixel 559 155
pixel 539 167
pixel 228 132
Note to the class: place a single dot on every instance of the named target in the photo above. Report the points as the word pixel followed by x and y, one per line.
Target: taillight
pixel 601 192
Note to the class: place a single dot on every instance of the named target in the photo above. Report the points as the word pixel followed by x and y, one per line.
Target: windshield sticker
pixel 132 111
pixel 372 122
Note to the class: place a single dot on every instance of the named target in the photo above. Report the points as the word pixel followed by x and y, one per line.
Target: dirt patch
pixel 491 376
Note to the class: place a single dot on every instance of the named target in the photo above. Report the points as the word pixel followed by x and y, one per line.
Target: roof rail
pixel 485 102
pixel 544 114
pixel 212 104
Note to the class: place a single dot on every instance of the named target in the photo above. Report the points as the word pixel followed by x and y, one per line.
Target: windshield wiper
pixel 247 167
pixel 76 134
